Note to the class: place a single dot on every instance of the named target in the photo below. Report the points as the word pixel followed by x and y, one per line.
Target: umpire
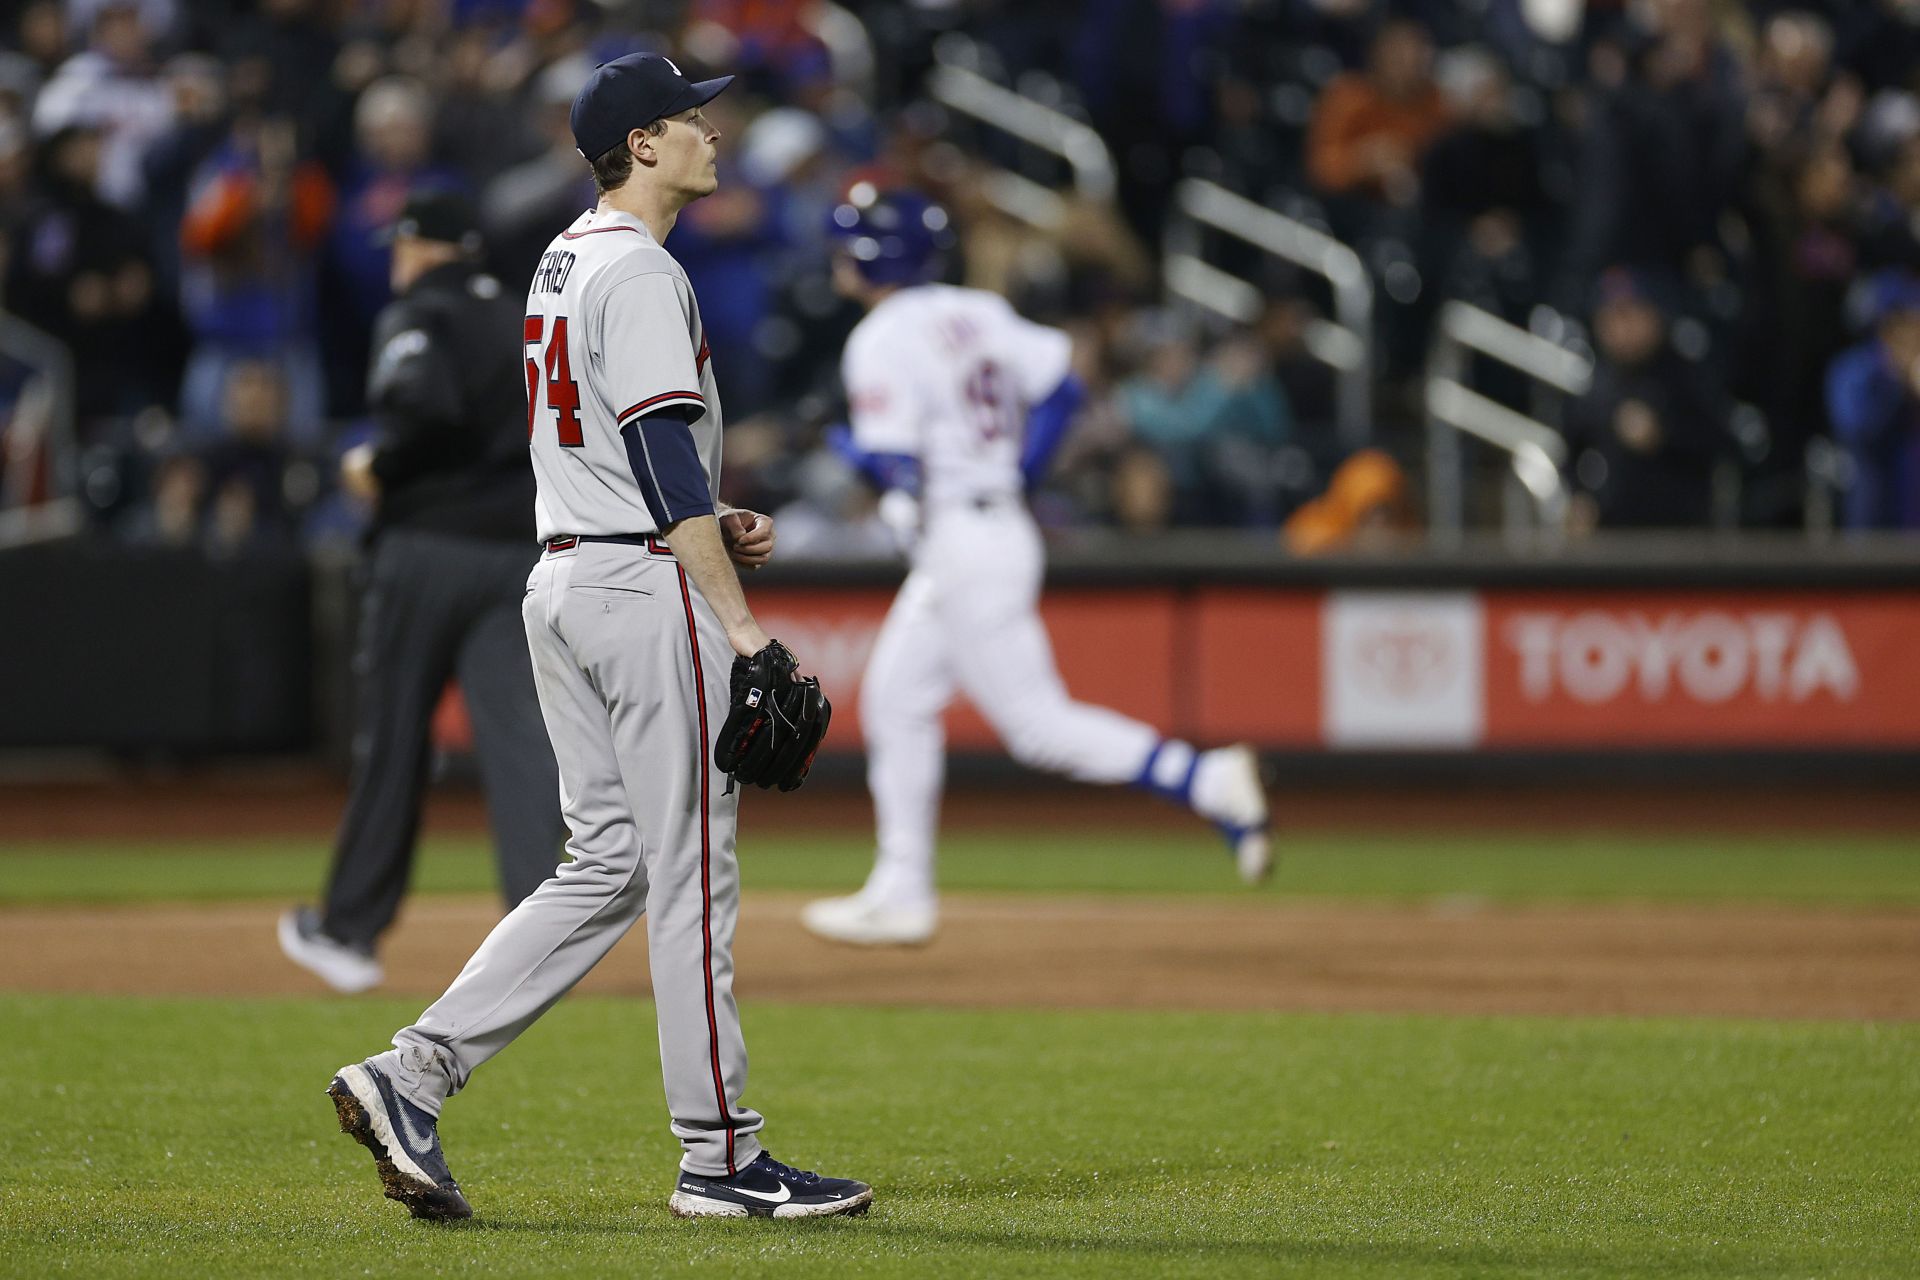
pixel 451 546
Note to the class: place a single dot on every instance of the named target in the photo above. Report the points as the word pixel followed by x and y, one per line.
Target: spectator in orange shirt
pixel 1369 130
pixel 1367 505
pixel 256 216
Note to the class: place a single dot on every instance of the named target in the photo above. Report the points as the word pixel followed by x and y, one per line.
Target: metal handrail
pixel 1218 291
pixel 1346 344
pixel 1829 474
pixel 1487 419
pixel 1024 200
pixel 1076 142
pixel 1536 451
pixel 1227 295
pixel 1531 354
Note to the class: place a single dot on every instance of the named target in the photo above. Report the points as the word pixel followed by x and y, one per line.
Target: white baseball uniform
pixel 947 375
pixel 632 670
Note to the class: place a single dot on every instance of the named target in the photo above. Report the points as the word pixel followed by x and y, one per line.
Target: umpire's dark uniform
pixel 451 549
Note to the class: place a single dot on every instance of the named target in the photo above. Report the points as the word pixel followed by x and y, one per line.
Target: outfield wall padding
pixel 163 650
pixel 1447 670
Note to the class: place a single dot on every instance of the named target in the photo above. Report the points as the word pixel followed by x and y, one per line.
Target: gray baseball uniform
pixel 632 669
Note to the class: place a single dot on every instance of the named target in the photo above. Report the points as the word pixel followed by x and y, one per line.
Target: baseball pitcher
pixel 659 690
pixel 956 406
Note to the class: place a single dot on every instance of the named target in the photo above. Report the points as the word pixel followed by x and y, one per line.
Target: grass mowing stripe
pixel 1790 868
pixel 181 1137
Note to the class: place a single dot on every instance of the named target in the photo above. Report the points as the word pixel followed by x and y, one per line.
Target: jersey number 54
pixel 563 393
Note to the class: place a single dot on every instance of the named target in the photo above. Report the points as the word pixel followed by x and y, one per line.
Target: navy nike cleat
pixel 404 1142
pixel 767 1189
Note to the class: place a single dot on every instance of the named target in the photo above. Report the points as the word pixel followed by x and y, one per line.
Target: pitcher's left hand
pixel 749 537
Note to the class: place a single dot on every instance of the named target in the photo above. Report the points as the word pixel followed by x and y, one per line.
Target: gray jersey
pixel 623 416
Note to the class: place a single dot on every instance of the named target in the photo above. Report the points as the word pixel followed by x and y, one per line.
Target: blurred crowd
pixel 1720 202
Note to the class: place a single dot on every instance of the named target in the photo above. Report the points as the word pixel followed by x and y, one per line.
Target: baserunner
pixel 957 404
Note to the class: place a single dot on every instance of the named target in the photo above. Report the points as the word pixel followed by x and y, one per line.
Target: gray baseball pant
pixel 632 670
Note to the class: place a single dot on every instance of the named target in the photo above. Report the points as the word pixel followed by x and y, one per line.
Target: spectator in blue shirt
pixel 257 217
pixel 1873 399
pixel 393 155
pixel 1199 413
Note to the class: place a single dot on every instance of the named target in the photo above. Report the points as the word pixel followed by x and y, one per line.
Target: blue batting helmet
pixel 893 237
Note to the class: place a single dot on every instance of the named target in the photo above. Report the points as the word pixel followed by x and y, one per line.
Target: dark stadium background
pixel 1402 322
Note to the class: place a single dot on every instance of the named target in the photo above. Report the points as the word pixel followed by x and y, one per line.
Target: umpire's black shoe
pixel 404 1141
pixel 767 1189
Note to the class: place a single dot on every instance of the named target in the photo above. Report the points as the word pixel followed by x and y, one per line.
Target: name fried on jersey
pixel 623 414
pixel 551 276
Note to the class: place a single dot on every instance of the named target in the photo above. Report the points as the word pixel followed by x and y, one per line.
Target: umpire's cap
pixel 892 237
pixel 631 92
pixel 438 213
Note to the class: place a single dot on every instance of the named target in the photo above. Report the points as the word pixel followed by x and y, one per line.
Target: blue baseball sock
pixel 1168 772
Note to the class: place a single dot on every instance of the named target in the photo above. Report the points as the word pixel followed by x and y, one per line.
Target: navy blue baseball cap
pixel 631 92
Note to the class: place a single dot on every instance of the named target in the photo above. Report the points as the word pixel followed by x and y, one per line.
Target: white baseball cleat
pixel 344 968
pixel 1253 855
pixel 1228 793
pixel 865 922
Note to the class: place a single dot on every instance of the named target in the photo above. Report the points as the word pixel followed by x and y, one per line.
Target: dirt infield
pixel 1792 962
pixel 1102 953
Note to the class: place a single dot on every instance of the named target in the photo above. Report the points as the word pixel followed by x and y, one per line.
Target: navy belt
pixel 648 540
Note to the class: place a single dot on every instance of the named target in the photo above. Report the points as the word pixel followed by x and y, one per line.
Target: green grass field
pixel 191 1138
pixel 1790 868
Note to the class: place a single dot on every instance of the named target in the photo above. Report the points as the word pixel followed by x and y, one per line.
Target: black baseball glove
pixel 775 720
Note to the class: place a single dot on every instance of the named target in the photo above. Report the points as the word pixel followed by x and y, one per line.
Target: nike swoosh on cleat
pixel 781 1197
pixel 420 1143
